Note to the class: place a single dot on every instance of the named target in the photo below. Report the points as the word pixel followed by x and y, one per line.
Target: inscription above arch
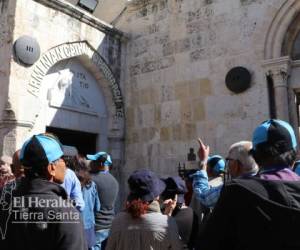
pixel 69 50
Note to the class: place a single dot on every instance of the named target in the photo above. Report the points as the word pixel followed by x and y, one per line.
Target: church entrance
pixel 84 142
pixel 73 107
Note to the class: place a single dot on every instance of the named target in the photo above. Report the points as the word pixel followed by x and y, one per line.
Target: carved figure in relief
pixel 66 92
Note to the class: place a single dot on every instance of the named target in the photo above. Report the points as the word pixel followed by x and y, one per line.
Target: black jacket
pixel 41 217
pixel 255 214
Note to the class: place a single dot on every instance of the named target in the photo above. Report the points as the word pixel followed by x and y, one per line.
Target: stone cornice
pixel 80 14
pixel 16 123
pixel 277 65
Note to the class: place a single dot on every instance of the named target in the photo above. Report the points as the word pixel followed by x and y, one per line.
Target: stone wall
pixel 50 27
pixel 7 22
pixel 177 58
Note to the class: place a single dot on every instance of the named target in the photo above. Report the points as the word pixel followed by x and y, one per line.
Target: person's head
pixel 41 156
pixel 215 166
pixel 274 144
pixel 174 185
pixel 99 161
pixel 5 165
pixel 239 160
pixel 145 187
pixel 83 172
pixel 70 156
pixel 16 166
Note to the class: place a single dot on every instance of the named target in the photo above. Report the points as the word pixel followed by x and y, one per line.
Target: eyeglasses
pixel 227 160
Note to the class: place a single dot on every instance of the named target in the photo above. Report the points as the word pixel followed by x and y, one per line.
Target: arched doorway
pixel 73 107
pixel 282 62
pixel 105 117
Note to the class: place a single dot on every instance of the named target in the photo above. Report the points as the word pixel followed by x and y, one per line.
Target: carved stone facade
pixel 161 70
pixel 178 56
pixel 31 104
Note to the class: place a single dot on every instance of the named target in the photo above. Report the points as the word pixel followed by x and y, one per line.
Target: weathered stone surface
pixel 182 90
pixel 205 87
pixel 165 134
pixel 148 96
pixel 186 111
pixel 130 117
pixel 173 70
pixel 199 109
pixel 170 113
pixel 190 51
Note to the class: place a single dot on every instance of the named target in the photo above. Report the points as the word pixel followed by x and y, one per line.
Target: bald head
pixel 240 151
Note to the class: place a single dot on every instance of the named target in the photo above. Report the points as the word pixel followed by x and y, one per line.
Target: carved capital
pixel 278 69
pixel 8 112
pixel 279 76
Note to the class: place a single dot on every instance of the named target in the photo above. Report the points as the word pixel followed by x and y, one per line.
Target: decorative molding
pixel 278 67
pixel 296 63
pixel 278 28
pixel 9 113
pixel 82 15
pixel 10 123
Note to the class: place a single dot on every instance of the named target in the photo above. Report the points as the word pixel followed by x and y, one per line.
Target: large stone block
pixel 129 113
pixel 145 115
pixel 170 113
pixel 182 90
pixel 166 93
pixel 194 89
pixel 157 115
pixel 186 111
pixel 165 133
pixel 198 109
pixel 189 131
pixel 205 87
pixel 177 133
pixel 148 96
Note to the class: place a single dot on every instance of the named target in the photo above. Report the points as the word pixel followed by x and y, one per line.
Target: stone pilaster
pixel 279 69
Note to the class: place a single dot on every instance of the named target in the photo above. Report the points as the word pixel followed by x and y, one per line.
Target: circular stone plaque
pixel 27 50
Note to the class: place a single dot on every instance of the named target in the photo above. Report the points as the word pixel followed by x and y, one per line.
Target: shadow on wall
pixel 111 50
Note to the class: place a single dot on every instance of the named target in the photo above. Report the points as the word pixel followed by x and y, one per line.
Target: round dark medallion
pixel 238 79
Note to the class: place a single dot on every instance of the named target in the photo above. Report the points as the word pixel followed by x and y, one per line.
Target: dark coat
pixel 255 214
pixel 51 224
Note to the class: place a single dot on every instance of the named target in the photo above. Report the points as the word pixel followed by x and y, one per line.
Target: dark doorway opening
pixel 83 141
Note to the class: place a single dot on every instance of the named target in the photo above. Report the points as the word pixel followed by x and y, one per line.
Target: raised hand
pixel 203 153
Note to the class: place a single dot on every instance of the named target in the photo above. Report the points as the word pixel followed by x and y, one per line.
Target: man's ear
pixel 239 168
pixel 51 169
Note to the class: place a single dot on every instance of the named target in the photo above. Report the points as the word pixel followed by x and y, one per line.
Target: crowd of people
pixel 248 200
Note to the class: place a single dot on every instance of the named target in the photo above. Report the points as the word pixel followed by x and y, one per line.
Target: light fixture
pixel 89 5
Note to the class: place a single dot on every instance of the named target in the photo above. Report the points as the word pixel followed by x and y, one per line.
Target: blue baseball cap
pixel 273 131
pixel 145 185
pixel 40 150
pixel 103 156
pixel 216 163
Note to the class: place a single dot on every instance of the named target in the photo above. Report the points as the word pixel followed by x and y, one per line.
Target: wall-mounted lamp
pixel 88 5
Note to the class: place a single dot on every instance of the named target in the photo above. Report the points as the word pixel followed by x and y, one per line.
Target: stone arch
pixel 277 62
pixel 97 65
pixel 277 31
